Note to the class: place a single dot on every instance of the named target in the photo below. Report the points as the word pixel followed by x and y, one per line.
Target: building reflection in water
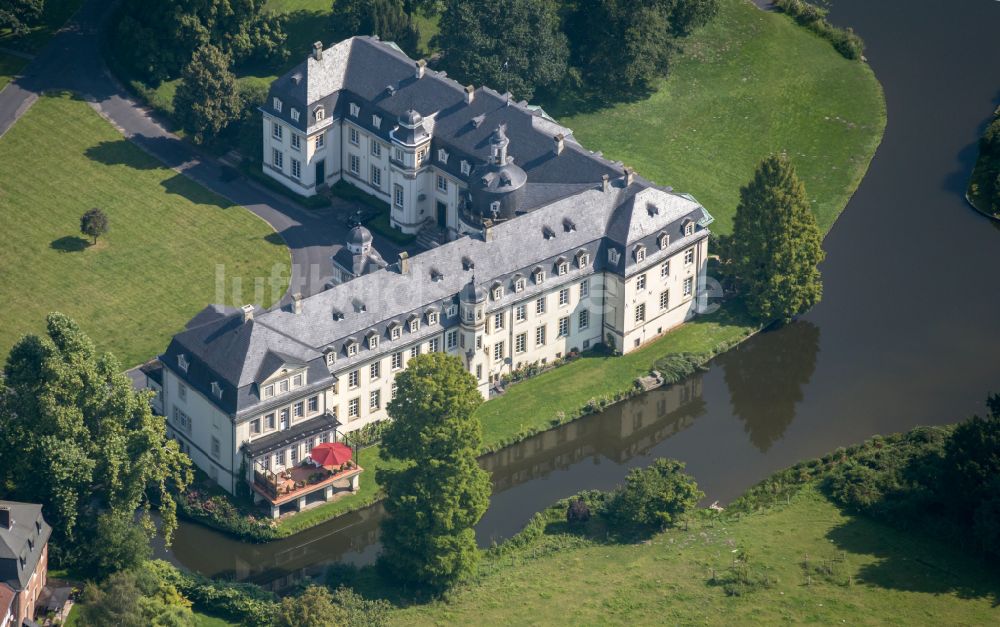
pixel 618 434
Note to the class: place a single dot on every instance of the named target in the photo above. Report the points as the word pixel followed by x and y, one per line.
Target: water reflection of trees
pixel 766 376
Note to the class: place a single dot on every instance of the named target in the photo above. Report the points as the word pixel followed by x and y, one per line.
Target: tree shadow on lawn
pixel 915 563
pixel 69 244
pixel 121 152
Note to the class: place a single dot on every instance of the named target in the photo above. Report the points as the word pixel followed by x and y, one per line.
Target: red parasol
pixel 331 454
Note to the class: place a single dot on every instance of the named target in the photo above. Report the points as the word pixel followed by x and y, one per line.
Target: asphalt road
pixel 72 61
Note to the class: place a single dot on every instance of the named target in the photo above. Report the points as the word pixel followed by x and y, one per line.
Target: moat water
pixel 906 334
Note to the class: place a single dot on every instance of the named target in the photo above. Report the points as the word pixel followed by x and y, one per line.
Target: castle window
pixel 519 284
pixel 319 113
pixel 688 228
pixel 277 131
pixel 563 268
pixel 296 141
pixel 376 149
pixel 295 115
pixel 372 342
pixel 582 259
pixel 376 176
pixel 182 362
pixel 276 103
pixel 663 240
pixel 414 325
pixel 355 110
pixel 539 276
pixel 331 357
pixel 498 292
pixel 442 183
pixel 395 332
pixel 640 253
pixel 352 349
pixel 354 137
pixel 398 196
pixel 277 158
pixel 613 255
pixel 451 311
pixel 443 155
pixel 296 168
pixel 376 121
pixel 466 167
pixel 689 256
pixel 216 389
pixel 432 317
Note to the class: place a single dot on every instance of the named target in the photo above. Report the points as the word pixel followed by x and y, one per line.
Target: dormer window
pixel 466 168
pixel 467 264
pixel 442 155
pixel 352 348
pixel 182 362
pixel 277 104
pixel 372 341
pixel 295 114
pixel 216 389
pixel 689 228
pixel 640 254
pixel 495 208
pixel 519 284
pixel 613 255
pixel 497 292
pixel 548 233
pixel 331 358
pixel 451 311
pixel 395 331
pixel 663 240
pixel 539 276
pixel 319 113
pixel 376 121
pixel 562 267
pixel 436 275
pixel 355 110
pixel 568 225
pixel 414 325
pixel 432 317
pixel 582 259
pixel 268 391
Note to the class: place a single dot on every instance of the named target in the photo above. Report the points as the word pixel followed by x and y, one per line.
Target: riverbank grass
pixel 822 565
pixel 61 159
pixel 748 84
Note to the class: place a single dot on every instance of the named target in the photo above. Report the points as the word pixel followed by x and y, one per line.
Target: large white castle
pixel 549 250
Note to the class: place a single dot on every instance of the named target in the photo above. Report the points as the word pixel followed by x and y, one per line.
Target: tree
pixel 86 442
pixel 972 459
pixel 94 223
pixel 386 18
pixel 510 45
pixel 208 98
pixel 656 497
pixel 119 544
pixel 134 598
pixel 776 245
pixel 313 608
pixel 625 47
pixel 18 15
pixel 439 492
pixel 155 40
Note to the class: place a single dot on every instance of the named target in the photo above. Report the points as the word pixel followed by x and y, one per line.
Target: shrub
pixel 246 603
pixel 577 512
pixel 743 578
pixel 219 513
pixel 845 41
pixel 657 496
pixel 368 435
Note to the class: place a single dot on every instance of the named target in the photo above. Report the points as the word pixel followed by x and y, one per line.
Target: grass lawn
pixel 9 67
pixel 61 159
pixel 877 575
pixel 748 84
pixel 201 620
pixel 54 15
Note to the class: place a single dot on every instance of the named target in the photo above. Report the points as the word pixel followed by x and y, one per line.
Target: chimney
pixel 404 263
pixel 558 139
pixel 6 522
pixel 247 313
pixel 487 230
pixel 470 94
pixel 605 183
pixel 297 302
pixel 421 66
pixel 318 50
pixel 629 176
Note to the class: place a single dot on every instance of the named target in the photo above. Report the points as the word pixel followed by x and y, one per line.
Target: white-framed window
pixel 421 155
pixel 520 313
pixel 398 155
pixel 293 456
pixel 298 409
pixel 498 352
pixel 688 286
pixel 313 404
pixel 353 408
pixel 355 109
pixel 433 345
pixel 376 149
pixel 376 121
pixel 331 358
pixel 498 292
pixel 663 240
pixel 396 332
pixel 353 379
pixel 376 177
pixel 563 268
pixel 613 255
pixel 320 140
pixel 540 336
pixel 296 141
pixel 319 113
pixel 432 317
pixel 268 391
pixel 540 306
pixel 689 228
pixel 466 167
pixel 495 208
pixel 640 312
pixel 584 288
pixel 392 391
pixel 539 277
pixel 640 282
pixel 296 168
pixel 564 326
pixel 277 131
pixel 451 311
pixel 414 325
pixel 375 370
pixel 269 421
pixel 283 386
pixel 375 400
pixel 519 284
pixel 640 254
pixel 664 299
pixel 355 164
pixel 583 319
pixel 397 196
pixel 352 349
pixel 397 360
pixel 279 458
pixel 216 448
pixel 182 420
pixel 665 269
pixel 479 372
pixel 521 343
pixel 295 114
pixel 498 321
pixel 583 260
pixel 297 381
pixel 277 158
pixel 564 296
pixel 276 103
pixel 255 426
pixel 372 342
pixel 442 155
pixel 355 138
pixel 688 256
pixel 451 339
pixel 182 362
pixel 414 350
pixel 442 183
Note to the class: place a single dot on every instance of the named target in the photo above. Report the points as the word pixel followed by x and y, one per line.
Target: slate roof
pixel 26 540
pixel 295 433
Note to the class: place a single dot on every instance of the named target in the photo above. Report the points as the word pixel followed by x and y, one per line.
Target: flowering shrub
pixel 218 512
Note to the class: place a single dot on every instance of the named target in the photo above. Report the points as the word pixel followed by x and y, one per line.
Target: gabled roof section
pixel 275 362
pixel 633 219
pixel 24 541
